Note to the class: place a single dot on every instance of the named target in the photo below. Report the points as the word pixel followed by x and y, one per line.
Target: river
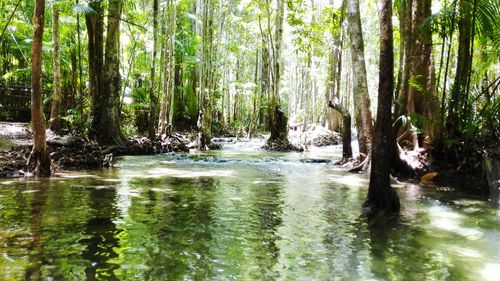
pixel 238 214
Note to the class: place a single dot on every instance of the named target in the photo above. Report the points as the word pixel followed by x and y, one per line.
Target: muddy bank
pixel 72 152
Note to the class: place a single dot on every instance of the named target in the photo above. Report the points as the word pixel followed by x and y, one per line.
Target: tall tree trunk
pixel 54 122
pixel 39 154
pixel 106 125
pixel 405 15
pixel 204 116
pixel 152 95
pixel 332 116
pixel 380 194
pixel 418 95
pixel 95 31
pixel 362 112
pixel 332 120
pixel 455 118
pixel 278 121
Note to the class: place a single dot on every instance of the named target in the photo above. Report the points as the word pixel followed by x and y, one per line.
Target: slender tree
pixel 40 153
pixel 362 112
pixel 459 88
pixel 152 95
pixel 204 125
pixel 380 194
pixel 54 122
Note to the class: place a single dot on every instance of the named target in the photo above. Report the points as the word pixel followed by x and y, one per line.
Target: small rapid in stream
pixel 237 214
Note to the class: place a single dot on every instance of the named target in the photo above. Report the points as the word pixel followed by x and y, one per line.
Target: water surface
pixel 238 214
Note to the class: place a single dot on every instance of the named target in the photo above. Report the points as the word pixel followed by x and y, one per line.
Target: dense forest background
pixel 118 68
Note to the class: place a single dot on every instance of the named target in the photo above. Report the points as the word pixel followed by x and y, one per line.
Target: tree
pixel 106 110
pixel 95 32
pixel 169 75
pixel 346 129
pixel 152 95
pixel 40 153
pixel 362 113
pixel 459 89
pixel 55 122
pixel 278 121
pixel 380 194
pixel 205 73
pixel 417 94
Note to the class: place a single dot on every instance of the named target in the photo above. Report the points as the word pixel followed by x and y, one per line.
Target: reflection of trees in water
pixel 178 226
pixel 102 235
pixel 401 250
pixel 268 206
pixel 35 250
pixel 48 214
pixel 345 233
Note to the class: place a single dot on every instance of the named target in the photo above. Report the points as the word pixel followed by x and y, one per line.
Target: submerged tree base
pixel 281 145
pixel 386 200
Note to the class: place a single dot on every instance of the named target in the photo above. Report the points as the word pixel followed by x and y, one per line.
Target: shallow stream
pixel 237 214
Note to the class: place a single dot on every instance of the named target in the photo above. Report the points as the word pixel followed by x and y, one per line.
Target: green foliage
pixel 83 9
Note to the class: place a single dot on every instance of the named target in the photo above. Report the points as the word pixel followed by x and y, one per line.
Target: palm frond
pixel 83 9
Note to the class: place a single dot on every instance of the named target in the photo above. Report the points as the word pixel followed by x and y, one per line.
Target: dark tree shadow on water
pixel 102 235
pixel 381 227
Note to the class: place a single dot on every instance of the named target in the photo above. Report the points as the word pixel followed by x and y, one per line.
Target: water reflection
pixel 100 234
pixel 159 218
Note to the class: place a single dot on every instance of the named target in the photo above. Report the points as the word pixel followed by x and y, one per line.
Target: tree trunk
pixel 455 118
pixel 107 125
pixel 39 155
pixel 346 129
pixel 278 120
pixel 54 122
pixel 95 30
pixel 362 113
pixel 332 116
pixel 204 116
pixel 152 95
pixel 405 15
pixel 418 92
pixel 380 194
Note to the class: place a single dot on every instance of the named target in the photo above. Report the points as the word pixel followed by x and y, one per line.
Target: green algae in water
pixel 261 216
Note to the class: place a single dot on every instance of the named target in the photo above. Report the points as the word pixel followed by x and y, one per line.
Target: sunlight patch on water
pixel 450 221
pixel 161 190
pixel 161 172
pixel 31 191
pixel 491 271
pixel 79 176
pixel 8 182
pixel 464 252
pixel 350 180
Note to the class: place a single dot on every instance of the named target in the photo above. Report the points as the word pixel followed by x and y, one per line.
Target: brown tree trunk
pixel 106 125
pixel 277 118
pixel 457 99
pixel 204 116
pixel 55 121
pixel 380 194
pixel 405 15
pixel 39 154
pixel 362 112
pixel 95 30
pixel 346 129
pixel 152 95
pixel 421 96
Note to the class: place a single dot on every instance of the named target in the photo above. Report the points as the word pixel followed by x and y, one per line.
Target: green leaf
pixel 83 9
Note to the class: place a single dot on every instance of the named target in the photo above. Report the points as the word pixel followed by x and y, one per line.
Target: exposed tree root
pixel 39 162
pixel 363 166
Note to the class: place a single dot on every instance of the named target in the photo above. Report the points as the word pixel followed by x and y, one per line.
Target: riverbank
pixel 74 152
